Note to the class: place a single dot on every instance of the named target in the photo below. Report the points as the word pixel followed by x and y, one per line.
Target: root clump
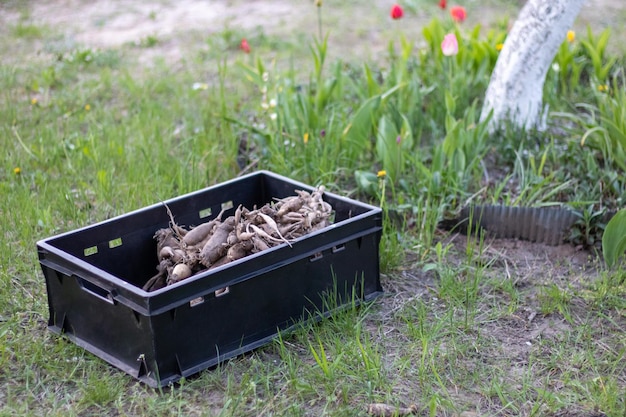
pixel 183 253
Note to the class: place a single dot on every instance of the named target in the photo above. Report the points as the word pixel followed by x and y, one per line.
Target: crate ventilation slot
pixel 114 243
pixel 205 213
pixel 226 205
pixel 92 250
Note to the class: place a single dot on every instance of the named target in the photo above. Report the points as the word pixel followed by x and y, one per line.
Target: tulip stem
pixel 319 23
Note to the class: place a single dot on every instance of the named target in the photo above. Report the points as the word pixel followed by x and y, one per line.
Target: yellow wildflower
pixel 603 88
pixel 17 170
pixel 34 101
pixel 499 46
pixel 87 107
pixel 306 138
pixel 200 86
pixel 571 36
pixel 381 174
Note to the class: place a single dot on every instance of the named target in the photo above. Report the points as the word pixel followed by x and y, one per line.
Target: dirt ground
pixel 512 338
pixel 106 24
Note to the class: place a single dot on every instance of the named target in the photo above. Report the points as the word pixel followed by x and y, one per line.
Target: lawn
pixel 107 108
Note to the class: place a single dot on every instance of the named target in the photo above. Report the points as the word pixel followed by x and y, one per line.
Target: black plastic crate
pixel 94 277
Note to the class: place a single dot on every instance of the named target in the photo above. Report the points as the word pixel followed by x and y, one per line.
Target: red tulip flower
pixel 244 46
pixel 458 13
pixel 396 12
pixel 442 4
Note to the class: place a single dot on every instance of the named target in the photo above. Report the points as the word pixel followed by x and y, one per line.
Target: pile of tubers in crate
pixel 183 253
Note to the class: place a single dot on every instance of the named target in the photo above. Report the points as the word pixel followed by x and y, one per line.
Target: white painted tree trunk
pixel 516 88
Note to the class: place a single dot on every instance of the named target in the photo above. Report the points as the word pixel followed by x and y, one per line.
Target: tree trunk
pixel 516 87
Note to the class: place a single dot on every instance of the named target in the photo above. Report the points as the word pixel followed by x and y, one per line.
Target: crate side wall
pixel 163 348
pixel 98 325
pixel 215 328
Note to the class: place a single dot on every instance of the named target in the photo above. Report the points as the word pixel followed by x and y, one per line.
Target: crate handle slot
pixel 95 290
pixel 338 248
pixel 316 256
pixel 222 292
pixel 196 301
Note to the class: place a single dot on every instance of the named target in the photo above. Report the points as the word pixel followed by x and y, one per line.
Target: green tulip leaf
pixel 614 239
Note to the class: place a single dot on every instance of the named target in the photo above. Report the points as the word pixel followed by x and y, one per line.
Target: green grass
pixel 465 325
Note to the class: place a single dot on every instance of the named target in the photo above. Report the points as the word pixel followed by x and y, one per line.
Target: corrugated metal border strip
pixel 549 225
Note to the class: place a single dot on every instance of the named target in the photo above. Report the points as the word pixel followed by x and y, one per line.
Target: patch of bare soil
pixel 110 24
pixel 512 330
